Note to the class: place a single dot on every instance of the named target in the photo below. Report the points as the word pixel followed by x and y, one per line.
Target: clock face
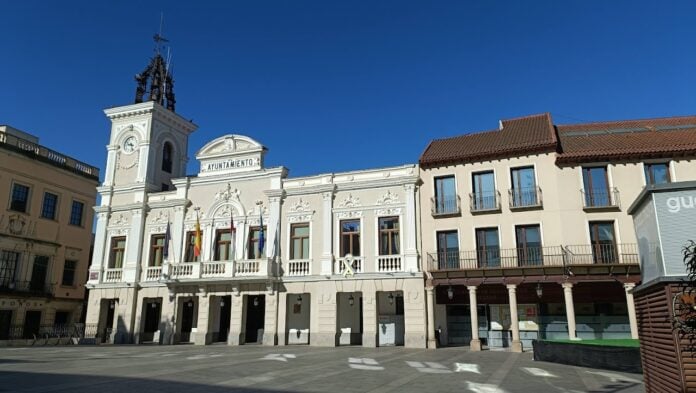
pixel 130 144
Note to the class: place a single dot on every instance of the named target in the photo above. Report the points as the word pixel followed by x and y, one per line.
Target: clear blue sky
pixel 333 86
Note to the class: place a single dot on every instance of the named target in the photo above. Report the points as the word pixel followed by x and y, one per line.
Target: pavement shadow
pixel 19 381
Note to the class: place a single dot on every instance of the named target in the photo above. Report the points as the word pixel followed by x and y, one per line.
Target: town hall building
pixel 241 253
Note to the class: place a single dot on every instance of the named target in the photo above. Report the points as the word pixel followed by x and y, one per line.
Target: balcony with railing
pixel 525 198
pixel 534 256
pixel 482 202
pixel 113 275
pixel 447 206
pixel 355 264
pixel 152 273
pixel 297 268
pixel 389 263
pixel 600 199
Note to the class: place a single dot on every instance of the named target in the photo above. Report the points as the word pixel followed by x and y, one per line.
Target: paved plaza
pixel 293 369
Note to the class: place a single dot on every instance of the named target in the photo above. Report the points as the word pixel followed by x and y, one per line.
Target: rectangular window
pixel 9 261
pixel 48 207
pixel 485 195
pixel 20 198
pixel 487 247
pixel 223 241
pixel 524 190
pixel 350 238
pixel 190 245
pixel 389 236
pixel 38 273
pixel 446 195
pixel 529 251
pixel 447 250
pixel 253 251
pixel 76 213
pixel 118 251
pixel 62 318
pixel 596 185
pixel 156 250
pixel 656 173
pixel 603 242
pixel 299 241
pixel 69 273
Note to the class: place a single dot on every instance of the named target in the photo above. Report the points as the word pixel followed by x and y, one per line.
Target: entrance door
pixel 5 320
pixel 255 312
pixel 225 313
pixel 105 332
pixel 152 319
pixel 32 323
pixel 186 321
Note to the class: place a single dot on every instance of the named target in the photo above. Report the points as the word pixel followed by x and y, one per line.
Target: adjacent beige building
pixel 525 232
pixel 45 236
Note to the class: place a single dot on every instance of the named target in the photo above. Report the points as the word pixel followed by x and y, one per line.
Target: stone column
pixel 201 336
pixel 282 317
pixel 110 164
pixel 324 306
pixel 236 319
pixel 270 326
pixel 99 256
pixel 514 321
pixel 143 162
pixel 432 342
pixel 369 337
pixel 167 319
pixel 473 308
pixel 410 227
pixel 628 287
pixel 570 309
pixel 134 247
pixel 327 224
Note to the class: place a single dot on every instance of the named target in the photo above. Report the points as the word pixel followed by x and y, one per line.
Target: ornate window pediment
pixel 350 201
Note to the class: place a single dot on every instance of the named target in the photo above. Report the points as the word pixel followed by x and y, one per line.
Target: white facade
pixel 272 296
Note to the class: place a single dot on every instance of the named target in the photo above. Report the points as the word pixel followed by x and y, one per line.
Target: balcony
pixel 152 273
pixel 217 269
pixel 28 288
pixel 297 268
pixel 588 254
pixel 484 202
pixel 600 199
pixel 525 198
pixel 113 275
pixel 448 206
pixel 389 263
pixel 357 265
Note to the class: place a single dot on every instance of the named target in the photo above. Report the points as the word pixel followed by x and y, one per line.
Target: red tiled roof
pixel 523 135
pixel 626 140
pixel 575 143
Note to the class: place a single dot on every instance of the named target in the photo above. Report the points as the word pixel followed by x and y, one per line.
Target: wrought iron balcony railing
pixel 32 288
pixel 597 199
pixel 534 256
pixel 484 201
pixel 521 198
pixel 445 206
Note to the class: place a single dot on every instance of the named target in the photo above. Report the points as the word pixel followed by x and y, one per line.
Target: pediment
pixel 230 153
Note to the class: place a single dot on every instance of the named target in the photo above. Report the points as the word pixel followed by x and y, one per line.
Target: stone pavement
pixel 222 368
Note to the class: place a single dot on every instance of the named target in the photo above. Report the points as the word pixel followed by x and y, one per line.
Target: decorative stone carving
pixel 392 211
pixel 350 214
pixel 350 201
pixel 160 218
pixel 17 224
pixel 300 218
pixel 227 194
pixel 191 215
pixel 300 206
pixel 388 198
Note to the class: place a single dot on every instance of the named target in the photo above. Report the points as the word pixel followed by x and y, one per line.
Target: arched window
pixel 167 157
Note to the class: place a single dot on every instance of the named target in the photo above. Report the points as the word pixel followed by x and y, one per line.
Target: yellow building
pixel 46 201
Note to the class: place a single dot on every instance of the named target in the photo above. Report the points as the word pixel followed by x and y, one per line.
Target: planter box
pixel 624 359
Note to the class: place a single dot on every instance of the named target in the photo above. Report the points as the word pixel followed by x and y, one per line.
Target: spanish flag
pixel 197 240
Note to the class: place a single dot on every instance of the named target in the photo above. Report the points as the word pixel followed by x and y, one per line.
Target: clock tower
pixel 147 149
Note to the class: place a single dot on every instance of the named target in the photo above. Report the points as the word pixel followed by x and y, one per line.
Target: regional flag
pixel 233 236
pixel 262 236
pixel 197 239
pixel 167 239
